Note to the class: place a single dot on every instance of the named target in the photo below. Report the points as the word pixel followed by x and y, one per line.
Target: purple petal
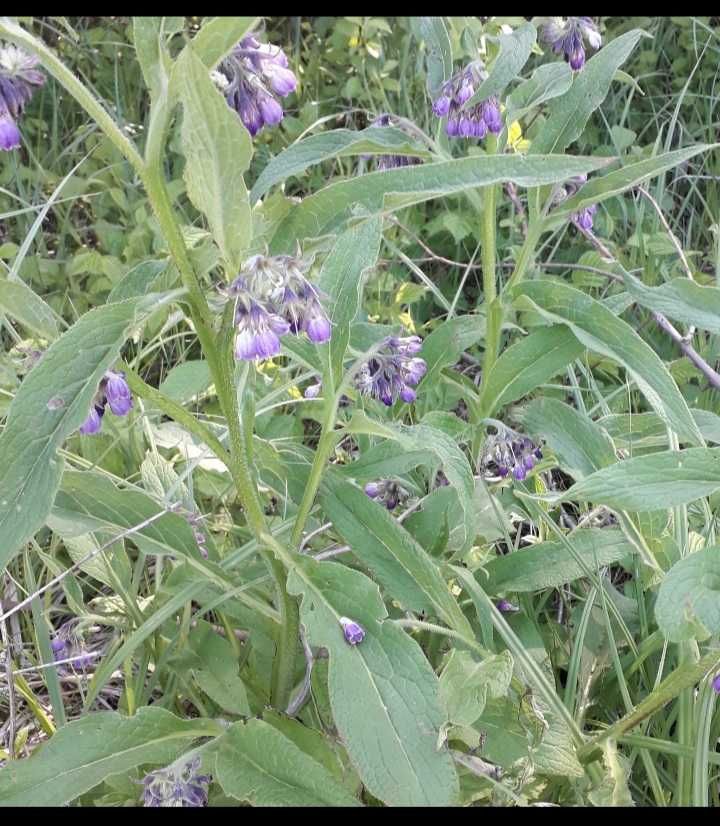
pixel 9 133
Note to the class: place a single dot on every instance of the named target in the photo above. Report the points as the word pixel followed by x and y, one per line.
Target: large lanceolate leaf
pixel 52 402
pixel 383 693
pixel 688 604
pixel 217 37
pixel 335 144
pixel 603 332
pixel 341 279
pixel 413 184
pixel 152 275
pixel 620 180
pixel 551 564
pixel 547 81
pixel 86 751
pixel 680 299
pixel 257 763
pixel 514 51
pixel 580 446
pixel 23 305
pixel 660 480
pixel 391 553
pixel 527 364
pixel 568 114
pixel 433 32
pixel 217 149
pixel 441 449
pixel 445 344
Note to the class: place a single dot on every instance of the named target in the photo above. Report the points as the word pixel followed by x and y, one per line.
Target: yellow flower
pixel 515 138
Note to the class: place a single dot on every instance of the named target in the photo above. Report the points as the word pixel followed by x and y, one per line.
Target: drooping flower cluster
pixel 387 492
pixel 273 297
pixel 251 77
pixel 354 632
pixel 392 372
pixel 507 452
pixel 462 121
pixel 67 644
pixel 178 785
pixel 391 161
pixel 584 217
pixel 568 36
pixel 113 391
pixel 18 80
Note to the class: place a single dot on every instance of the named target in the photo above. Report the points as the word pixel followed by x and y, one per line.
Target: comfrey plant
pixel 18 81
pixel 113 392
pixel 567 36
pixel 463 120
pixel 251 77
pixel 393 371
pixel 305 617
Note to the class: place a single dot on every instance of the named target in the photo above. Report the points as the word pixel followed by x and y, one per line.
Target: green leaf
pixel 22 304
pixel 257 763
pixel 86 751
pixel 646 483
pixel 335 144
pixel 146 277
pixel 681 299
pixel 391 553
pixel 527 364
pixel 551 564
pixel 383 692
pixel 433 32
pixel 151 53
pixel 392 189
pixel 186 380
pixel 466 684
pixel 580 446
pixel 568 114
pixel 341 278
pixel 603 332
pixel 688 604
pixel 218 36
pixel 217 149
pixel 515 49
pixel 52 402
pixel 445 344
pixel 547 81
pixel 217 674
pixel 620 180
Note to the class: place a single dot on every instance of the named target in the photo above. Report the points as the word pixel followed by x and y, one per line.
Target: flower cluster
pixel 68 645
pixel 178 785
pixel 508 452
pixel 113 391
pixel 584 217
pixel 391 161
pixel 387 492
pixel 393 371
pixel 194 519
pixel 273 297
pixel 462 122
pixel 251 77
pixel 18 79
pixel 353 632
pixel 568 37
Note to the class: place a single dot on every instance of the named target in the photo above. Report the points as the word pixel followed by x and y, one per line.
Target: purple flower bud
pixel 282 80
pixel 716 683
pixel 529 462
pixel 391 502
pixel 584 218
pixel 408 395
pixel 9 133
pixel 93 423
pixel 465 92
pixel 372 489
pixel 441 106
pixel 118 393
pixel 318 327
pixel 452 127
pixel 503 470
pixel 491 115
pixel 519 473
pixel 506 607
pixel 313 391
pixel 577 59
pixel 353 632
pixel 58 646
pixel 258 331
pixel 271 110
pixel 538 453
